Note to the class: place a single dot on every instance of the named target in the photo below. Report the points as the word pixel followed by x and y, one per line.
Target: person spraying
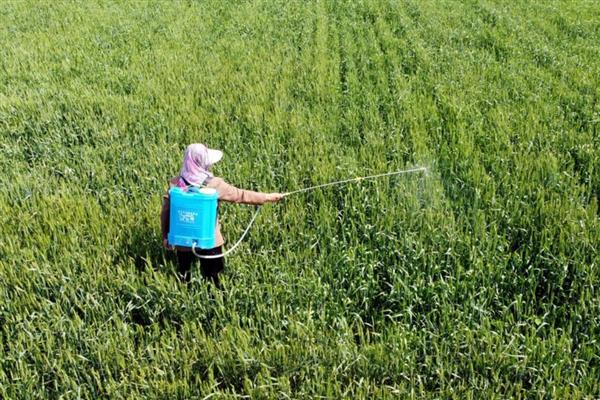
pixel 195 173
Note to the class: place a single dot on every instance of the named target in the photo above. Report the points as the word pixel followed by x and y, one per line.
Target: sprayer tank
pixel 193 217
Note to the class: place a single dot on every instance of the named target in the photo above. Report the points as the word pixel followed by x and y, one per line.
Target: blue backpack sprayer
pixel 193 217
pixel 193 214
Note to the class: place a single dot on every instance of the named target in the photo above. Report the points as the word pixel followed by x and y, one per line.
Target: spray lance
pixel 186 207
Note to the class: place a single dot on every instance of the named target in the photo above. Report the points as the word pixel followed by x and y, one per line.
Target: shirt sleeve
pixel 164 216
pixel 165 209
pixel 233 194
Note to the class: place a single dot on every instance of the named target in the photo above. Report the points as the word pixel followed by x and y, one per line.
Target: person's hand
pixel 274 197
pixel 166 244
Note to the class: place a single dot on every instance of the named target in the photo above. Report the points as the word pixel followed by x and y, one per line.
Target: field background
pixel 478 280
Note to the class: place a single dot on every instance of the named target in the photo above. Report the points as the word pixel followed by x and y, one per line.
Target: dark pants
pixel 209 268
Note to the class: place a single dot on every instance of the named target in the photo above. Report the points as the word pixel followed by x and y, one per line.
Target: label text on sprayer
pixel 188 217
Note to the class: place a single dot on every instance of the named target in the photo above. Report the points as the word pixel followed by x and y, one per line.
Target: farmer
pixel 197 161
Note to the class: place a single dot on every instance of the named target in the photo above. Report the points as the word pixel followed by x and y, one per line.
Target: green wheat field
pixel 479 279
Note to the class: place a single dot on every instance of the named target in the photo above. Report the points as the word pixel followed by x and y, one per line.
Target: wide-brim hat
pixel 214 156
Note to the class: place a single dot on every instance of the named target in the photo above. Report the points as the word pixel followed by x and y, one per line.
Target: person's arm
pixel 233 194
pixel 164 219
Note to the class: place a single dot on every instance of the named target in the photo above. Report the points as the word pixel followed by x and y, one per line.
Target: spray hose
pixel 303 190
pixel 212 257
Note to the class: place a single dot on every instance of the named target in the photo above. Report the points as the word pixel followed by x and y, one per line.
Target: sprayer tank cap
pixel 206 190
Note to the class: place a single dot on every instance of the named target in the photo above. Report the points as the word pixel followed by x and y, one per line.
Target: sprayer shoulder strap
pixel 189 185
